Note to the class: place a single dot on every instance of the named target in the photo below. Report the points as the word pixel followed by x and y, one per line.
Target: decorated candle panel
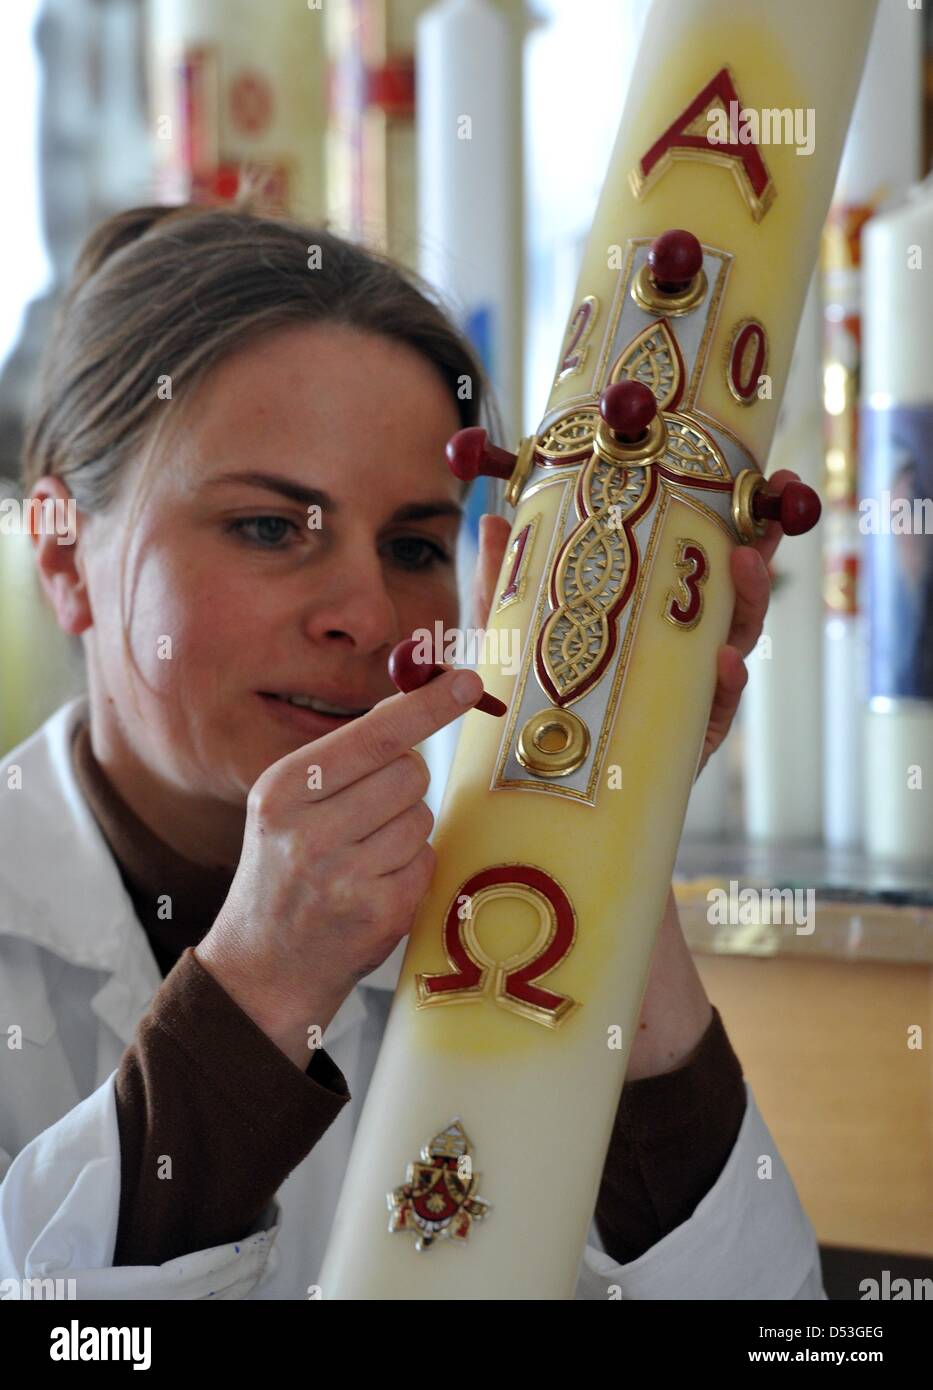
pixel 237 90
pixel 479 1152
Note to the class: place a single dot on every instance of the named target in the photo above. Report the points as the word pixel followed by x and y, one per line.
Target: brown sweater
pixel 202 1083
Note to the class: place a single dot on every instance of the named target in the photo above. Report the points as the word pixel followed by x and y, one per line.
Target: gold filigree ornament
pixel 653 358
pixel 569 436
pixel 594 573
pixel 691 452
pixel 438 1197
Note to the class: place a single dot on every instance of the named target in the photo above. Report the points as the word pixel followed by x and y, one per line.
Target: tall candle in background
pixel 896 518
pixel 469 143
pixel 469 180
pixel 371 166
pixel 783 707
pixel 881 159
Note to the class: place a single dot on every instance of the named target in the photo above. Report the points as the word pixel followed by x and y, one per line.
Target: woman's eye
pixel 417 553
pixel 267 531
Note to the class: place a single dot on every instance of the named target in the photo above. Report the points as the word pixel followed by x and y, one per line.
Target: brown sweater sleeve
pixel 203 1087
pixel 671 1138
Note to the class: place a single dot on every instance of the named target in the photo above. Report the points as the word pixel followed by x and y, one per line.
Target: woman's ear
pixel 54 529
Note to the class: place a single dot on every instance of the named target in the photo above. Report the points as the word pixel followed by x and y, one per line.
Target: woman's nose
pixel 353 606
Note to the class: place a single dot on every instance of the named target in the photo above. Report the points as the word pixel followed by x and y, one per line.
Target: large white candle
pixel 507 1044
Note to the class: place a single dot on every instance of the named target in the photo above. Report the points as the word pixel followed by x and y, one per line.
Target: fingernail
pixel 466 688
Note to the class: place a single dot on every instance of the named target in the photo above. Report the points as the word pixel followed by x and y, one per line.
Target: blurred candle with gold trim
pixel 238 90
pixel 371 160
pixel 489 1114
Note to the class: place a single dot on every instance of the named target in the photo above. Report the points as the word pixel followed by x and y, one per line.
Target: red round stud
pixel 797 508
pixel 674 260
pixel 470 455
pixel 628 408
pixel 409 674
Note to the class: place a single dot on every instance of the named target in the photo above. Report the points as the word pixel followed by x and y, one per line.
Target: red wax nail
pixel 409 674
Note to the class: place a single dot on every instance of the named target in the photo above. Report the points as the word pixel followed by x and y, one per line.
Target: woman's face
pixel 236 594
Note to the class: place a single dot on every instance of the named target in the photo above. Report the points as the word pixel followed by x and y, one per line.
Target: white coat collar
pixel 61 888
pixel 61 885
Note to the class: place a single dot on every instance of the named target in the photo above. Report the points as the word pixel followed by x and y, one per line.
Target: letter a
pixel 689 137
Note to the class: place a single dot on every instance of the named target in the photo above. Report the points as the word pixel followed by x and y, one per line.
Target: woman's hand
pixel 329 880
pixel 749 569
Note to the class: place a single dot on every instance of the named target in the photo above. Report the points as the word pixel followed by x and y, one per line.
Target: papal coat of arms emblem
pixel 438 1198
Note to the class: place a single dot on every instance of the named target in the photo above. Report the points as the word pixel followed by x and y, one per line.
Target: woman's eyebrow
pixel 421 511
pixel 274 482
pixel 313 496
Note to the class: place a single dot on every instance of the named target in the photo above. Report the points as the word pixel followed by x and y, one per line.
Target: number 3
pixel 685 608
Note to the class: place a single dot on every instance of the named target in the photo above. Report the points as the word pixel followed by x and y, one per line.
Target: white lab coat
pixel 77 974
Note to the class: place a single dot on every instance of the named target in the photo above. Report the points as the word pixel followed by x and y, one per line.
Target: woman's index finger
pixel 374 740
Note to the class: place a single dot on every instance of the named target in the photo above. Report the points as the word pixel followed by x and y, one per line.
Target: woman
pixel 251 417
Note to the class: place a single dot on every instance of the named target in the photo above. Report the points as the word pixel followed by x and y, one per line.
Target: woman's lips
pixel 304 721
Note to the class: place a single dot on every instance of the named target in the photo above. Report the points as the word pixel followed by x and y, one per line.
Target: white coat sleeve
pixel 59 1211
pixel 749 1238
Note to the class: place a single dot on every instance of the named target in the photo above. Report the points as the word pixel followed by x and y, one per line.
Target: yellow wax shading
pixel 538 1102
pixel 666 700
